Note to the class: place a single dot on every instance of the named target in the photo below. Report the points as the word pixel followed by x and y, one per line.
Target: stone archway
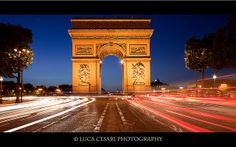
pixel 94 39
pixel 116 49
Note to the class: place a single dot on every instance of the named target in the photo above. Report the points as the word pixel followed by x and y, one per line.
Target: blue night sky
pixel 52 48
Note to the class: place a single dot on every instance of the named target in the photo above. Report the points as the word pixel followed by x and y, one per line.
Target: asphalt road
pixel 116 114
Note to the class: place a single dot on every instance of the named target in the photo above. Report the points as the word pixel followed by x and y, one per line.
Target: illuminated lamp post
pixel 214 78
pixel 155 82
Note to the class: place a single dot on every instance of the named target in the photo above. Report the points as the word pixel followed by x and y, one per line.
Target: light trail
pixel 214 116
pixel 50 117
pixel 39 108
pixel 223 76
pixel 39 101
pixel 212 100
pixel 204 121
pixel 187 126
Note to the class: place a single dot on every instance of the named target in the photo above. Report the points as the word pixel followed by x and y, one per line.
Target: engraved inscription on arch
pixel 138 49
pixel 84 49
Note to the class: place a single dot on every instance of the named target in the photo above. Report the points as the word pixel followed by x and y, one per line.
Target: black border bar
pixel 117 7
pixel 74 138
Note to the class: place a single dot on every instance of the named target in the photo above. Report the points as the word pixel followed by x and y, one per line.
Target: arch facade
pixel 94 39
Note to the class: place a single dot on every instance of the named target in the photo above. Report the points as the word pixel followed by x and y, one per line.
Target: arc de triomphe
pixel 94 39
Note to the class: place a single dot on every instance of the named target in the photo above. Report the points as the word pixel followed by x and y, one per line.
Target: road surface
pixel 118 114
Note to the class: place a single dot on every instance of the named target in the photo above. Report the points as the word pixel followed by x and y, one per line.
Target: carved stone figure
pixel 84 74
pixel 138 73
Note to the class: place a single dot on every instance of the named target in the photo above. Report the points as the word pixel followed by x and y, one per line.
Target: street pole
pixel 214 78
pixel 22 86
pixel 214 83
pixel 1 79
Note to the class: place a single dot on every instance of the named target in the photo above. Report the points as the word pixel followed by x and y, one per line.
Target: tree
pixel 9 88
pixel 158 83
pixel 231 26
pixel 65 88
pixel 191 61
pixel 231 33
pixel 198 55
pixel 16 54
pixel 51 89
pixel 104 91
pixel 223 46
pixel 29 88
pixel 40 90
pixel 218 47
pixel 216 50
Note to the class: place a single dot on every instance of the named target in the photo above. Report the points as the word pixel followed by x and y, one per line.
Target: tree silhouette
pixel 16 54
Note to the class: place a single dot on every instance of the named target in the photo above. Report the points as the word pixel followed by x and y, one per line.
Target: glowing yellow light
pixel 58 90
pixel 121 61
pixel 214 76
pixel 223 87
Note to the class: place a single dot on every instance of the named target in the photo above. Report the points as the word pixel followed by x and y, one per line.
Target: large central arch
pixel 94 39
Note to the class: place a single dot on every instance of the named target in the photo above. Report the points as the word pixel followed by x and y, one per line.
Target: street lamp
pixel 1 79
pixel 214 78
pixel 155 83
pixel 121 61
